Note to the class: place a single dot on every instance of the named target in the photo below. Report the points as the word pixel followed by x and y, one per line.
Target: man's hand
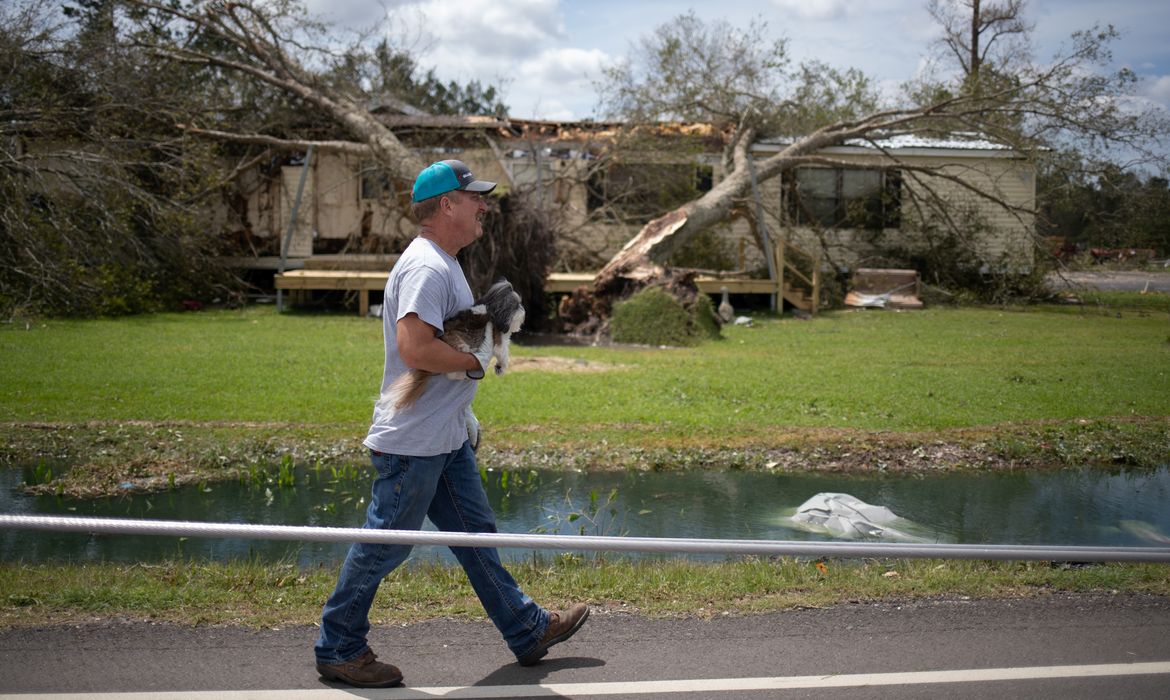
pixel 472 428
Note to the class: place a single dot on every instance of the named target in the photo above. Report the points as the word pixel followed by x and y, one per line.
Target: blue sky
pixel 547 53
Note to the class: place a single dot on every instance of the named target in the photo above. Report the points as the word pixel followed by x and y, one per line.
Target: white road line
pixel 974 675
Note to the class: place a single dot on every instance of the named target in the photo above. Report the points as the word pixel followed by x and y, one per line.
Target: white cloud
pixel 495 30
pixel 556 84
pixel 487 42
pixel 347 13
pixel 551 109
pixel 1157 88
pixel 519 45
pixel 817 10
pixel 565 67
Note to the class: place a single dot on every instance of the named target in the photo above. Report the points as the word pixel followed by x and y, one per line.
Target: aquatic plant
pixel 41 473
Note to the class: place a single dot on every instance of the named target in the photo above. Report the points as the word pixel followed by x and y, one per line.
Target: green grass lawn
pixel 870 370
pixel 157 395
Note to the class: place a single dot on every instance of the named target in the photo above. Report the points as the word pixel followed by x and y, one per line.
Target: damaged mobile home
pixel 600 182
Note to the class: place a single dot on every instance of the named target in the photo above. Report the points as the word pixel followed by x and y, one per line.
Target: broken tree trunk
pixel 641 262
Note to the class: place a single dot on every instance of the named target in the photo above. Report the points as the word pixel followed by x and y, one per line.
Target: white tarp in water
pixel 842 515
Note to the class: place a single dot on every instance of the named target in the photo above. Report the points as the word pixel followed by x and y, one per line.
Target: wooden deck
pixel 361 281
pixel 565 282
pixel 365 281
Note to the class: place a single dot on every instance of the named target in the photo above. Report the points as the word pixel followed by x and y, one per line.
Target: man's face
pixel 469 209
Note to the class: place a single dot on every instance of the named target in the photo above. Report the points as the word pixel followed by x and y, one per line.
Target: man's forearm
pixel 438 357
pixel 421 349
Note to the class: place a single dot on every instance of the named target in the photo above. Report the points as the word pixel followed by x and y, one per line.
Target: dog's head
pixel 503 306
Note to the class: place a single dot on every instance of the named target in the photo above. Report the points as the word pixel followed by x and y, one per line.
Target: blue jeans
pixel 447 488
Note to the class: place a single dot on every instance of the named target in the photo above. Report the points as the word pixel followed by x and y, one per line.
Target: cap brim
pixel 479 186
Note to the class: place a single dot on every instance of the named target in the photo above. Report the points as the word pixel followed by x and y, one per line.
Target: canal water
pixel 1068 507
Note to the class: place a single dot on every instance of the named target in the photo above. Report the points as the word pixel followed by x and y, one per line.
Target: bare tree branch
pixel 348 147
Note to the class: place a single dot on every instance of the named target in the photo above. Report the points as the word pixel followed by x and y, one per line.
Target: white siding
pixel 334 207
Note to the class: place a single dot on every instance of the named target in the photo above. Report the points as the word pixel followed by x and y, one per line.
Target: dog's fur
pixel 498 312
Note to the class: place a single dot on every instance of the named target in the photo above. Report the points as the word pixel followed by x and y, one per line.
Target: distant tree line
pixel 1117 209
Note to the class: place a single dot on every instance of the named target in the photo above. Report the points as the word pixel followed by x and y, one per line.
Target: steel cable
pixel 175 528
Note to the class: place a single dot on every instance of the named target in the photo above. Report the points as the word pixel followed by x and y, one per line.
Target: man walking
pixel 424 460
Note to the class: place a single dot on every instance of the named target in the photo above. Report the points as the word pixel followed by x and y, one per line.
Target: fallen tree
pixel 691 71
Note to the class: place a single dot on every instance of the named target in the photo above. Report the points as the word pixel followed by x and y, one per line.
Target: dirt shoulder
pixel 102 458
pixel 1112 280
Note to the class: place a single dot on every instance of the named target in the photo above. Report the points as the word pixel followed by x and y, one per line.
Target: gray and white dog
pixel 498 312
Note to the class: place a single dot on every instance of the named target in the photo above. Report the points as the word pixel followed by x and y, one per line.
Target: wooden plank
pixel 331 279
pixel 883 281
pixel 736 285
pixel 357 262
pixel 264 262
pixel 565 282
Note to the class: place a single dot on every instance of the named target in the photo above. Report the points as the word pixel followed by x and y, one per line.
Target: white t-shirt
pixel 428 282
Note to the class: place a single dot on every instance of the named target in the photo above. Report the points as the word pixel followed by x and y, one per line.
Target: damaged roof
pixel 957 142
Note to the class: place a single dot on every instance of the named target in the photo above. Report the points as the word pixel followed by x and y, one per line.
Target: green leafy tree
pixel 1114 209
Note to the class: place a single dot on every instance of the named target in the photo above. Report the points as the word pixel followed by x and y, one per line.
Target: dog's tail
pixel 405 390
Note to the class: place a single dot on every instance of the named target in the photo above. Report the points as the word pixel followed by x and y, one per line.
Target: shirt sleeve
pixel 421 291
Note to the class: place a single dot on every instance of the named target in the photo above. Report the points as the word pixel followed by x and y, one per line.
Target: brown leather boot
pixel 561 626
pixel 363 672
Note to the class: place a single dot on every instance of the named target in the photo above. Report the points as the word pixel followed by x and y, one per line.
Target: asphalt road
pixel 1053 646
pixel 1112 281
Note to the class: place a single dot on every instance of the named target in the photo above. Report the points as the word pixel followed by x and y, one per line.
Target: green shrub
pixel 706 327
pixel 654 317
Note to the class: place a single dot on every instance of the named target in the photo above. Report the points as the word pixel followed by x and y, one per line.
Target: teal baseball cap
pixel 444 176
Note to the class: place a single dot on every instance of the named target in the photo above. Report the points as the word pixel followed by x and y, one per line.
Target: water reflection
pixel 1069 507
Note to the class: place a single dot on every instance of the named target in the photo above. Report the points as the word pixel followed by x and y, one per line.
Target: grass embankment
pixel 164 399
pixel 264 595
